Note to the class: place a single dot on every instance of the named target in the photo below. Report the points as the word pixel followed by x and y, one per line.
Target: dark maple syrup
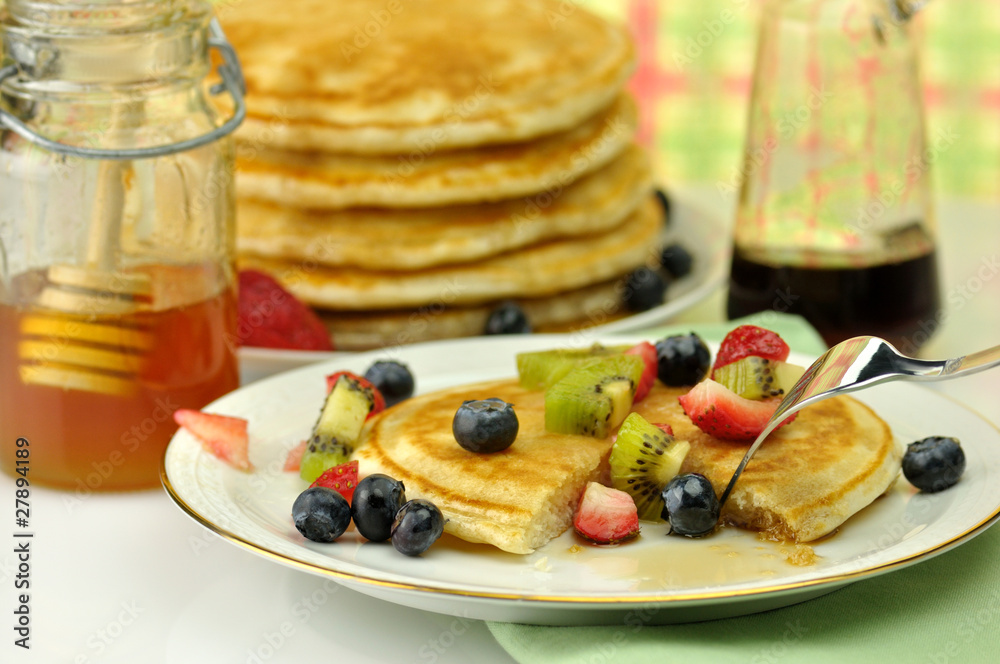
pixel 898 301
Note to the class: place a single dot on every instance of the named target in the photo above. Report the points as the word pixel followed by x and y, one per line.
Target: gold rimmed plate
pixel 567 582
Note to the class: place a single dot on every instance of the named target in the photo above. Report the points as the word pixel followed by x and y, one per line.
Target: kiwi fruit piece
pixel 540 369
pixel 593 398
pixel 758 378
pixel 338 428
pixel 643 459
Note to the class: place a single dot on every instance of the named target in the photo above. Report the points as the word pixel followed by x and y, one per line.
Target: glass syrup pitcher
pixel 834 220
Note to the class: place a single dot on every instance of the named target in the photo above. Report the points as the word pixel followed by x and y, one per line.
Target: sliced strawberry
pixel 647 352
pixel 665 428
pixel 605 515
pixel 271 317
pixel 343 479
pixel 748 340
pixel 378 401
pixel 720 412
pixel 293 462
pixel 225 437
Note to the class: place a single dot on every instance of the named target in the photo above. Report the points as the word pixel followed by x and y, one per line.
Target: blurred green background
pixel 695 71
pixel 696 66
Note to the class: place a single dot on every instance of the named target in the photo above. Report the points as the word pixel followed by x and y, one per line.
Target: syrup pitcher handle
pixel 903 10
pixel 894 13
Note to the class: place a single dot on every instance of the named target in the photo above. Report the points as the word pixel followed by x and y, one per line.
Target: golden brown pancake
pixel 517 499
pixel 332 181
pixel 409 239
pixel 836 458
pixel 806 479
pixel 536 271
pixel 378 77
pixel 572 310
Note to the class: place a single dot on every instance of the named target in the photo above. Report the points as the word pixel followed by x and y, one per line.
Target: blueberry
pixel 934 464
pixel 644 289
pixel 418 524
pixel 393 379
pixel 485 426
pixel 682 360
pixel 665 203
pixel 690 505
pixel 321 514
pixel 507 318
pixel 374 505
pixel 676 260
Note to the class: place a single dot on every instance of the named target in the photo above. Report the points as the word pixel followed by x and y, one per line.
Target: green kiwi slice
pixel 337 430
pixel 643 459
pixel 540 369
pixel 758 378
pixel 593 398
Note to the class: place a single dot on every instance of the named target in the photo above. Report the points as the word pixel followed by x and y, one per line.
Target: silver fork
pixel 854 365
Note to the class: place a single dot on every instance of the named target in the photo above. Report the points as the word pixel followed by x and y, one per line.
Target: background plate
pixel 704 235
pixel 729 573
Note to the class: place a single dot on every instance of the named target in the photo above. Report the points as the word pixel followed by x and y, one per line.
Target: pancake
pixel 409 239
pixel 378 77
pixel 544 269
pixel 576 309
pixel 836 458
pixel 433 177
pixel 806 479
pixel 517 499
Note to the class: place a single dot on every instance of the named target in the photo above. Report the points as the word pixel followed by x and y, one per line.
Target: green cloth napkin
pixel 943 610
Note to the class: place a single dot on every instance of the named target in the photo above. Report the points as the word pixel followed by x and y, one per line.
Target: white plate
pixel 702 233
pixel 654 579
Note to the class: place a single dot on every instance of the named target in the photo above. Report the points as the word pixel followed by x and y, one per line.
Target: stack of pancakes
pixel 407 166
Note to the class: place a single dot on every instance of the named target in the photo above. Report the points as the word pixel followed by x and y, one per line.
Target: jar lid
pixel 139 19
pixel 98 15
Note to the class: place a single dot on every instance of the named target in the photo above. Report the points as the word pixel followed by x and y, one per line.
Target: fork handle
pixel 967 364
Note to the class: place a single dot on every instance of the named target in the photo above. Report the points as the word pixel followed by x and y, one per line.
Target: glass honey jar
pixel 117 277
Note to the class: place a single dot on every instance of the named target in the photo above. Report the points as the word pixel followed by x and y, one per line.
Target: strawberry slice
pixel 293 462
pixel 378 400
pixel 605 515
pixel 225 437
pixel 271 317
pixel 647 352
pixel 343 479
pixel 665 428
pixel 748 340
pixel 720 412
